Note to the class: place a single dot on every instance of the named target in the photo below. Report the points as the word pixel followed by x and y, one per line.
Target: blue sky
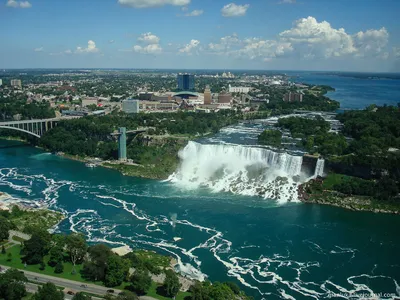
pixel 346 35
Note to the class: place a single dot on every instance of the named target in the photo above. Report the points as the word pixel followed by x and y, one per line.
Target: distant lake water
pixel 354 93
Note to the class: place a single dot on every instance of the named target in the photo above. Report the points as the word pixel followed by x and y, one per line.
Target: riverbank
pixel 25 214
pixel 313 192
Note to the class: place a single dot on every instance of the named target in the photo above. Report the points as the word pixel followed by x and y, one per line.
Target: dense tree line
pixel 270 137
pixel 90 136
pixel 301 127
pixel 17 105
pixel 310 102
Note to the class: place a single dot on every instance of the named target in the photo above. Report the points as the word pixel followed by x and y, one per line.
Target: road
pixel 69 285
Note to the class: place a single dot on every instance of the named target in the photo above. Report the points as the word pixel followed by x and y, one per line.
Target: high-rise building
pixel 207 95
pixel 293 97
pixel 186 82
pixel 1 82
pixel 16 83
pixel 224 98
pixel 130 106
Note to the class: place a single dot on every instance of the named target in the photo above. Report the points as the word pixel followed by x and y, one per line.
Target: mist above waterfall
pixel 240 170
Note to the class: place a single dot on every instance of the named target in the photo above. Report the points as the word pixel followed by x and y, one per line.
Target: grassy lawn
pixel 333 179
pixel 16 263
pixel 154 258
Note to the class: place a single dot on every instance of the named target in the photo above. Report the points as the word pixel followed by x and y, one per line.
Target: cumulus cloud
pixel 234 10
pixel 307 39
pixel 396 52
pixel 149 44
pixel 318 39
pixel 313 39
pixel 371 42
pixel 188 48
pixel 149 49
pixel 225 43
pixel 40 49
pixel 195 13
pixel 149 38
pixel 91 48
pixel 18 4
pixel 152 3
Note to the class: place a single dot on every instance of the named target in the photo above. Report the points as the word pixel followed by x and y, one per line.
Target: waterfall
pixel 319 167
pixel 240 170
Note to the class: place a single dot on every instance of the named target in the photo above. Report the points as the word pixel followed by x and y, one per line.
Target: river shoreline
pixel 353 202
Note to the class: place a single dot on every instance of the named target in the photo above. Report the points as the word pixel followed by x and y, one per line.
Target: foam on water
pixel 265 274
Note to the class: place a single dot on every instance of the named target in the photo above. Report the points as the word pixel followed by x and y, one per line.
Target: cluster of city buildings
pixel 239 94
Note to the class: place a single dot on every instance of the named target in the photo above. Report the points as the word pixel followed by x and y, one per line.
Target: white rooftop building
pixel 239 89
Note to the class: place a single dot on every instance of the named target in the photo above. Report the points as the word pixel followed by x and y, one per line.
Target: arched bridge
pixel 33 127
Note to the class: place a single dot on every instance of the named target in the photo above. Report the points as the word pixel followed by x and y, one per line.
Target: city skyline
pixel 192 34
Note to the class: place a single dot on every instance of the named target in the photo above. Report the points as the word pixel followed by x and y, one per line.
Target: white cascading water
pixel 240 170
pixel 319 168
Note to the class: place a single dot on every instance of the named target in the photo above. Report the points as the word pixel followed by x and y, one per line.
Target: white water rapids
pixel 240 170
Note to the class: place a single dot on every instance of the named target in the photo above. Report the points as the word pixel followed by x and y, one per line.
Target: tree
pixel 42 266
pixel 234 287
pixel 76 246
pixel 3 250
pixel 34 249
pixel 5 227
pixel 81 296
pixel 117 270
pixel 141 281
pixel 199 291
pixel 171 283
pixel 56 255
pixel 48 291
pixel 9 256
pixel 59 268
pixel 15 291
pixel 127 295
pixel 95 268
pixel 12 285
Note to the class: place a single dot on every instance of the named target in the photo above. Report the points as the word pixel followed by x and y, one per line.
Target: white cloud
pixel 152 3
pixel 195 13
pixel 91 48
pixel 69 51
pixel 313 39
pixel 225 43
pixel 188 48
pixel 149 38
pixel 149 49
pixel 396 52
pixel 18 4
pixel 308 39
pixel 255 48
pixel 40 49
pixel 111 41
pixel 25 4
pixel 371 42
pixel 234 10
pixel 150 44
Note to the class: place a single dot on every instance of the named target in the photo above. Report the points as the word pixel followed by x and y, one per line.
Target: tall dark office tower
pixel 186 82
